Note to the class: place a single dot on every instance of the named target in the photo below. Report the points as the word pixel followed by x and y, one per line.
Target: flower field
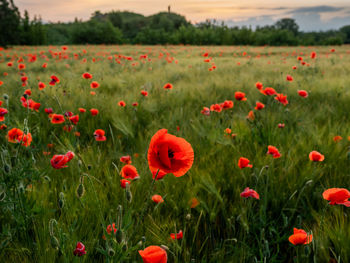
pixel 174 154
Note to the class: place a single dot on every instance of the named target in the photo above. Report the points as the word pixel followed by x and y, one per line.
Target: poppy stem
pixel 145 207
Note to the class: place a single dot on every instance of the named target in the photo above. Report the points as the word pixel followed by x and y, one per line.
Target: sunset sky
pixel 310 14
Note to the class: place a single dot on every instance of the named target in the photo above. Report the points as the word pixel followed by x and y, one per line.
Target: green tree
pixel 9 23
pixel 287 24
pixel 346 31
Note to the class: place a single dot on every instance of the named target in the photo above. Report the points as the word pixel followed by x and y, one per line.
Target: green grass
pixel 224 227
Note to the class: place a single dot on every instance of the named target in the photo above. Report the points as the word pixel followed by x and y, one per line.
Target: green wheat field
pixel 46 211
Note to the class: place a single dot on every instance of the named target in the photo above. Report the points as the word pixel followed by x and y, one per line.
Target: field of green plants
pixel 268 128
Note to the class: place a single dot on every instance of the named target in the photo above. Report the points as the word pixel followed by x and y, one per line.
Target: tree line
pixel 117 27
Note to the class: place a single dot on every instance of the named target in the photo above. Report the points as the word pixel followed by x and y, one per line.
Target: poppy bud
pixel 25 96
pixel 80 190
pixel 7 168
pixel 125 247
pixel 54 242
pixel 51 224
pixel 6 97
pixel 47 178
pixel 119 235
pixel 89 167
pixel 61 200
pixel 2 195
pixel 188 217
pixel 143 239
pixel 111 252
pixel 128 193
pixel 164 247
pixel 80 163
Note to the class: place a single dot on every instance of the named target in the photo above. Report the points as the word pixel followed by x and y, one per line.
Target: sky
pixel 309 14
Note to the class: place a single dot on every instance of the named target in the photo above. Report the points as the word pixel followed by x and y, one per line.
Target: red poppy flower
pixel 44 65
pixel 122 103
pixel 177 235
pixel 289 78
pixel 57 118
pixel 41 85
pixel 169 154
pixel 25 139
pixel 250 193
pixel 48 110
pixel 126 159
pixel 282 98
pixel 259 106
pixel 281 125
pixel 303 93
pixel 60 161
pixel 82 110
pixel 216 107
pixel 135 104
pixel 94 85
pixel 168 86
pixel 123 183
pixel 244 162
pixel 54 80
pixel 205 111
pixel 259 85
pixel 31 104
pixel 110 227
pixel 316 156
pixel 74 119
pixel 3 112
pixel 273 151
pixel 153 254
pixel 300 237
pixel 87 76
pixel 228 131
pixel 94 112
pixel 14 134
pixel 335 138
pixel 10 64
pixel 227 104
pixel 3 127
pixel 294 67
pixel 157 199
pixel 68 114
pixel 337 196
pixel 251 116
pixel 21 66
pixel 240 96
pixel 144 93
pixel 79 250
pixel 100 135
pixel 313 55
pixel 269 91
pixel 129 172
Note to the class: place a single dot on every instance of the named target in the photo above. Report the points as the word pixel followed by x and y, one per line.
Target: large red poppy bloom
pixel 316 156
pixel 129 172
pixel 57 118
pixel 14 134
pixel 169 154
pixel 300 237
pixel 153 254
pixel 337 196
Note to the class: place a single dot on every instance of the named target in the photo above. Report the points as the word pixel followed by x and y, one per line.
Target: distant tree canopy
pixel 117 27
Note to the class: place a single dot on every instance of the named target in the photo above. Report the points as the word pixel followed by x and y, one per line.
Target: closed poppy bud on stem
pixel 128 193
pixel 80 190
pixel 61 200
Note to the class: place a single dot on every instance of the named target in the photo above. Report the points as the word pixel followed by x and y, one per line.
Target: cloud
pixel 316 9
